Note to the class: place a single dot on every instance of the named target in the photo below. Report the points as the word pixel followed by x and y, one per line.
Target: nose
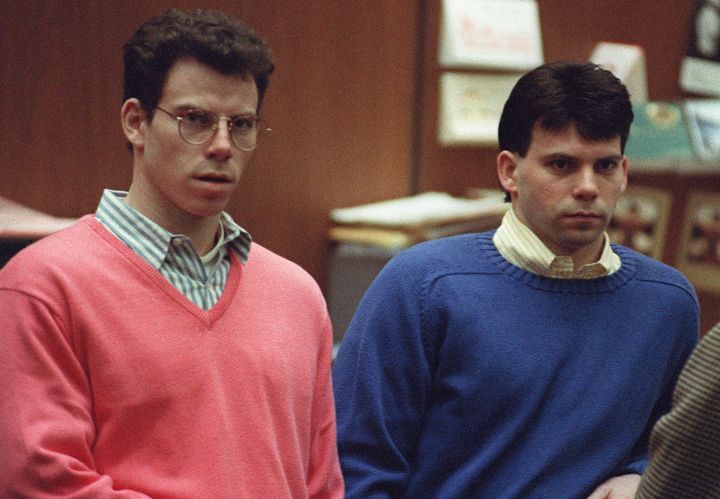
pixel 220 145
pixel 586 187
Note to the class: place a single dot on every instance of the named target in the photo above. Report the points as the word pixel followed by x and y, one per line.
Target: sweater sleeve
pixel 381 380
pixel 46 420
pixel 324 476
pixel 686 340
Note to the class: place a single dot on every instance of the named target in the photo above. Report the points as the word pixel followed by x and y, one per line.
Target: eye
pixel 243 123
pixel 561 164
pixel 200 119
pixel 605 165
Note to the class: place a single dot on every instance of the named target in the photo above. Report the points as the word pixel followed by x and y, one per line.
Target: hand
pixel 617 487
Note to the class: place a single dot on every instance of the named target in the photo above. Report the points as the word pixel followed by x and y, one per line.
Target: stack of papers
pixel 405 221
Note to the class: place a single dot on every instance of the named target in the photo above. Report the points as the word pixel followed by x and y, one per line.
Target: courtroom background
pixel 353 105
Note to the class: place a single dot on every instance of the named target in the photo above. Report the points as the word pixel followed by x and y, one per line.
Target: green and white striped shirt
pixel 200 279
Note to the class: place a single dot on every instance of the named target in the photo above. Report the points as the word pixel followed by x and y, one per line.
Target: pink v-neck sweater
pixel 113 384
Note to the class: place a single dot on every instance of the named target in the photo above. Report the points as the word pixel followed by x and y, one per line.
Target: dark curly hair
pixel 222 43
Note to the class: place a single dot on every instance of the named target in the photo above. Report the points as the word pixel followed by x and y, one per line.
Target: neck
pixel 203 235
pixel 202 231
pixel 586 254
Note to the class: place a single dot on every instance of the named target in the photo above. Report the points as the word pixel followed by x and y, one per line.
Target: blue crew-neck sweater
pixel 462 375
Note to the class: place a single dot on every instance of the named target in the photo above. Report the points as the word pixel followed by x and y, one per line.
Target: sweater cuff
pixel 636 467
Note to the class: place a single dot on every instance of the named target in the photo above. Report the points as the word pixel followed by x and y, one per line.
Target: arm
pixel 627 479
pixel 684 456
pixel 324 477
pixel 684 339
pixel 381 377
pixel 46 424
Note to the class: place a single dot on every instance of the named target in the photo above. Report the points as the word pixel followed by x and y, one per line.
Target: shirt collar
pixel 521 247
pixel 150 240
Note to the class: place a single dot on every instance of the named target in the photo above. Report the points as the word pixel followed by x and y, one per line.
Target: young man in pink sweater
pixel 153 350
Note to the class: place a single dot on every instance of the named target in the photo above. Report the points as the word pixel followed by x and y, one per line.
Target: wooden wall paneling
pixel 662 27
pixel 451 169
pixel 57 102
pixel 339 103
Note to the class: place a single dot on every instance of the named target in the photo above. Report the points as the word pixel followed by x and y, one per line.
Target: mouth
pixel 585 218
pixel 213 178
pixel 584 214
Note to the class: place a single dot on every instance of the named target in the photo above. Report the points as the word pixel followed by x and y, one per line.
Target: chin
pixel 206 211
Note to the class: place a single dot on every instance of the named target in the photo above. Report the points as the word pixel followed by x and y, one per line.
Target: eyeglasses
pixel 197 126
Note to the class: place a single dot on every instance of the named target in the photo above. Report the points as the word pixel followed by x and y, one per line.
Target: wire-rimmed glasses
pixel 197 126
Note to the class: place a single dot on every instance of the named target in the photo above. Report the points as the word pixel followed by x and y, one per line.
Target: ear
pixel 623 168
pixel 132 120
pixel 507 171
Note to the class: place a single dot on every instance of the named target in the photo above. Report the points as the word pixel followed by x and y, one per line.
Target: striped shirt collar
pixel 521 247
pixel 152 241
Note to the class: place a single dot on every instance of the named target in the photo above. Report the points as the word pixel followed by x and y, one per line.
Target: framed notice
pixel 700 69
pixel 471 105
pixel 503 34
pixel 700 244
pixel 641 220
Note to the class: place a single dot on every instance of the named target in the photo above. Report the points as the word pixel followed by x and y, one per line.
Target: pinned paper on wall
pixel 471 105
pixel 700 69
pixel 703 119
pixel 627 62
pixel 503 34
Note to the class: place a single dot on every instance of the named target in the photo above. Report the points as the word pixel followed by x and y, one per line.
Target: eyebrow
pixel 570 157
pixel 192 107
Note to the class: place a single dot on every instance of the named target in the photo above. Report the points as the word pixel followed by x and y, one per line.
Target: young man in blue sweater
pixel 531 361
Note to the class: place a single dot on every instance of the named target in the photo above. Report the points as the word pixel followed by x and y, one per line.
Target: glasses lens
pixel 247 132
pixel 197 126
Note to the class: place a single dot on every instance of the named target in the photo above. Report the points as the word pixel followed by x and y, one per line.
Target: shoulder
pixel 420 277
pixel 456 254
pixel 56 253
pixel 654 272
pixel 56 266
pixel 277 270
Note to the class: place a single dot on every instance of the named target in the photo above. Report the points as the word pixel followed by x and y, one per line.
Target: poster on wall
pixel 703 119
pixel 471 105
pixel 503 34
pixel 700 248
pixel 700 69
pixel 641 220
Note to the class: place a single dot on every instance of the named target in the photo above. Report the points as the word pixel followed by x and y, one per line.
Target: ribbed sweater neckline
pixel 625 274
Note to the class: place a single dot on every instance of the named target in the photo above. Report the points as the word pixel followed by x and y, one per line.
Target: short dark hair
pixel 212 38
pixel 558 94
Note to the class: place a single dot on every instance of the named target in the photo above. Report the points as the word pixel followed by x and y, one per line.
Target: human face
pixel 565 189
pixel 176 183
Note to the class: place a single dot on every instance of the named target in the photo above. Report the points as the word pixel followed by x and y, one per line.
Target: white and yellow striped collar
pixel 521 247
